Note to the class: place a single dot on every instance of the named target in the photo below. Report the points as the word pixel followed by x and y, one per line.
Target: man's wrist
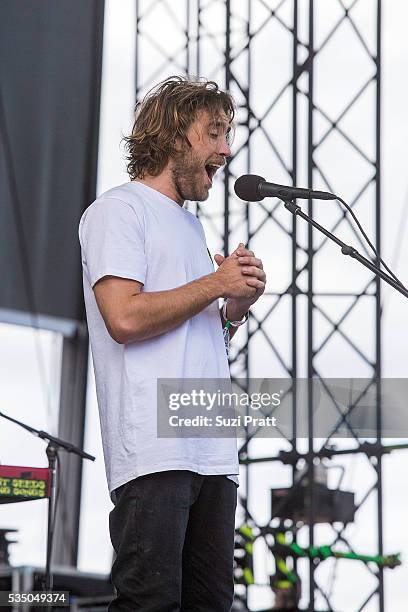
pixel 213 286
pixel 236 312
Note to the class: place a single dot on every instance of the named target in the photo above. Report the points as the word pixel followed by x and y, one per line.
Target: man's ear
pixel 178 144
pixel 181 142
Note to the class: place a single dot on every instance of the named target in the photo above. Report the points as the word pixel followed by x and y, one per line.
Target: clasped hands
pixel 243 280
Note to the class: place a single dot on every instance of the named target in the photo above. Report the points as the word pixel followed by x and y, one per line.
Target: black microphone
pixel 253 188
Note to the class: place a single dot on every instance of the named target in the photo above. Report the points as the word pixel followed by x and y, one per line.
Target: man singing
pixel 151 297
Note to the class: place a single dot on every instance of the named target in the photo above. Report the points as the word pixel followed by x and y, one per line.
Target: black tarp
pixel 50 77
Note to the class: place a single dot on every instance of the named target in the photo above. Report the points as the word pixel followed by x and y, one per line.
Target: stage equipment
pixel 243 555
pixel 19 483
pixel 4 544
pixel 51 66
pixel 293 503
pixel 293 124
pixel 253 188
pixel 333 505
pixel 50 62
pixel 346 249
pixel 53 446
pixel 281 542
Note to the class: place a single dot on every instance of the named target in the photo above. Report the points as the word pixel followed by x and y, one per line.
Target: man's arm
pixel 131 315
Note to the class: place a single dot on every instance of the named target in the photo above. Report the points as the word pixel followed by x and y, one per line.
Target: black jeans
pixel 173 534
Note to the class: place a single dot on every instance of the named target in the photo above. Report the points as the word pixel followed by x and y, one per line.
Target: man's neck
pixel 163 184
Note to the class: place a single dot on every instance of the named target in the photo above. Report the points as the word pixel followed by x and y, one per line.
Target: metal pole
pixel 378 309
pixel 227 85
pixel 71 427
pixel 137 50
pixel 294 372
pixel 310 463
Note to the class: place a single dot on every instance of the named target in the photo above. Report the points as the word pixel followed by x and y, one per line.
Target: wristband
pixel 229 323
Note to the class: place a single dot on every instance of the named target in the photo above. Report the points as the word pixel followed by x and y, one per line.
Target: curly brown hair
pixel 164 116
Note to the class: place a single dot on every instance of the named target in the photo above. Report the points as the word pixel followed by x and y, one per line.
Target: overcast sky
pixel 29 389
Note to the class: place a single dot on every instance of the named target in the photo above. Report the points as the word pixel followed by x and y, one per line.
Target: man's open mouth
pixel 211 169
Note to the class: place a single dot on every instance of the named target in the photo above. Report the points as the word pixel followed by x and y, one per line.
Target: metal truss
pixel 306 77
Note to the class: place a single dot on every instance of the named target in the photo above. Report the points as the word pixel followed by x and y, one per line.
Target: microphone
pixel 253 188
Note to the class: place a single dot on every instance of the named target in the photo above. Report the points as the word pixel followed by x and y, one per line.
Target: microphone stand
pixel 54 445
pixel 345 249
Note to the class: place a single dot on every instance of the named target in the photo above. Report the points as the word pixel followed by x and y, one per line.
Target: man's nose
pixel 224 149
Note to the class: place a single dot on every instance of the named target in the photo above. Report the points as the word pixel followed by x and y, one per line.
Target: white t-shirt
pixel 135 232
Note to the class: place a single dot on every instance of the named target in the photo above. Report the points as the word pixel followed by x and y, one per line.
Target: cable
pixel 402 225
pixel 369 242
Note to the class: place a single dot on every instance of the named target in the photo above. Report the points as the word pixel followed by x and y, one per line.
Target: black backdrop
pixel 50 76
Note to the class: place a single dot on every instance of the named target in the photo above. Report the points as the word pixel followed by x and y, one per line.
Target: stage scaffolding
pixel 306 76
